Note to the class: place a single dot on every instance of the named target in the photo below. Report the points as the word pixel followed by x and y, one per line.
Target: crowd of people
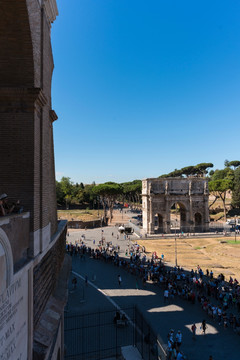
pixel 218 298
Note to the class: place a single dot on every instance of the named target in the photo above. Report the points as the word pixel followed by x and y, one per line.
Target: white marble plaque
pixel 3 269
pixel 14 320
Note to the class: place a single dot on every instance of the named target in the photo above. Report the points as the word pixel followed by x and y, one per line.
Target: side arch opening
pixel 198 222
pixel 158 223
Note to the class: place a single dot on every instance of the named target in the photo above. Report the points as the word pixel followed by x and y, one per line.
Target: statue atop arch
pixel 189 198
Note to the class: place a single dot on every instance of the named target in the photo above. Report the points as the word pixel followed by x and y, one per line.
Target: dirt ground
pixel 210 253
pixel 83 215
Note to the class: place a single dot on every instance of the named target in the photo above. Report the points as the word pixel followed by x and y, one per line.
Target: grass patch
pixel 197 248
pixel 233 242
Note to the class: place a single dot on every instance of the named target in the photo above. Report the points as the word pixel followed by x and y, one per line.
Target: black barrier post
pixel 116 339
pixel 149 344
pixel 142 335
pixel 134 328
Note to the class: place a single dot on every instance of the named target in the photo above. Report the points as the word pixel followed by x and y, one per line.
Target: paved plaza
pixel 103 291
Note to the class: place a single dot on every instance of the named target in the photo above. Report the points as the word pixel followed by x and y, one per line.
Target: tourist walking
pixel 170 335
pixel 119 280
pixel 179 339
pixel 194 328
pixel 165 296
pixel 204 326
pixel 137 286
pixel 180 356
pixel 174 351
pixel 74 282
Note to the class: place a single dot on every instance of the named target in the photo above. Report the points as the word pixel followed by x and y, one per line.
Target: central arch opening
pixel 178 217
pixel 158 223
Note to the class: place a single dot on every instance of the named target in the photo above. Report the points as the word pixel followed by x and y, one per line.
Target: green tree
pixel 66 185
pixel 132 191
pixel 81 185
pixel 188 170
pixel 236 189
pixel 89 195
pixel 234 163
pixel 65 190
pixel 222 181
pixel 175 173
pixel 108 193
pixel 59 193
pixel 226 163
pixel 201 169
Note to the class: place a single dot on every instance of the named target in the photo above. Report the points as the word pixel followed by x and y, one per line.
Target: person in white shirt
pixel 119 280
pixel 165 295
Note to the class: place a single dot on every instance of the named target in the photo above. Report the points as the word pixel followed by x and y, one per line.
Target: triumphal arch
pixel 187 196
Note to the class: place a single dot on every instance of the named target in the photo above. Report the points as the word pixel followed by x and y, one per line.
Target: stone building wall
pixel 32 244
pixel 26 115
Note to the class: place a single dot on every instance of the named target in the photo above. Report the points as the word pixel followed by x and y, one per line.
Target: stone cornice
pixel 51 10
pixel 20 99
pixel 53 115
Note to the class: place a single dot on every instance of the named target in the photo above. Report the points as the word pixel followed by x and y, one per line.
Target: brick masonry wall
pixel 16 146
pixel 84 224
pixel 48 168
pixel 45 275
pixel 26 147
pixel 16 60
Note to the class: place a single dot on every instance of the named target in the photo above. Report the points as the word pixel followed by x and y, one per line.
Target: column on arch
pixel 151 218
pixel 167 222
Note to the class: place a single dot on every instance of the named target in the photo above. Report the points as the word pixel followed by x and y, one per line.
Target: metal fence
pixel 95 336
pixel 213 228
pixel 149 345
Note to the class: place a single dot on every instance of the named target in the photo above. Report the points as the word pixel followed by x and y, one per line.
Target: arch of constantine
pixel 188 196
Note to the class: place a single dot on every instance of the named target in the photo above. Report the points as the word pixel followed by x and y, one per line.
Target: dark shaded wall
pixel 26 115
pixel 45 275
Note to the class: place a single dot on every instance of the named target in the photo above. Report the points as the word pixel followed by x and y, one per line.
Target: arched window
pixel 198 219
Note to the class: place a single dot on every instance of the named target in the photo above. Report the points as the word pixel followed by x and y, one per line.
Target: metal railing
pixel 95 336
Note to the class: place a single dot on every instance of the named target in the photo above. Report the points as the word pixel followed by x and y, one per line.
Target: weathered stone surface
pixel 159 195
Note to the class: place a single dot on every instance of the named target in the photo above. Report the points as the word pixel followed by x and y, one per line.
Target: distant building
pixel 33 267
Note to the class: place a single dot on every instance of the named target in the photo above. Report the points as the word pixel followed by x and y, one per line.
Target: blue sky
pixel 144 87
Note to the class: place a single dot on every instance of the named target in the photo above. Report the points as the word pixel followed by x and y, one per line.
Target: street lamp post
pixel 175 244
pixel 98 206
pixel 235 228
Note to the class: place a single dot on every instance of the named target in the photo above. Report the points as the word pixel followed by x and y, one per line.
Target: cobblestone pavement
pixel 178 314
